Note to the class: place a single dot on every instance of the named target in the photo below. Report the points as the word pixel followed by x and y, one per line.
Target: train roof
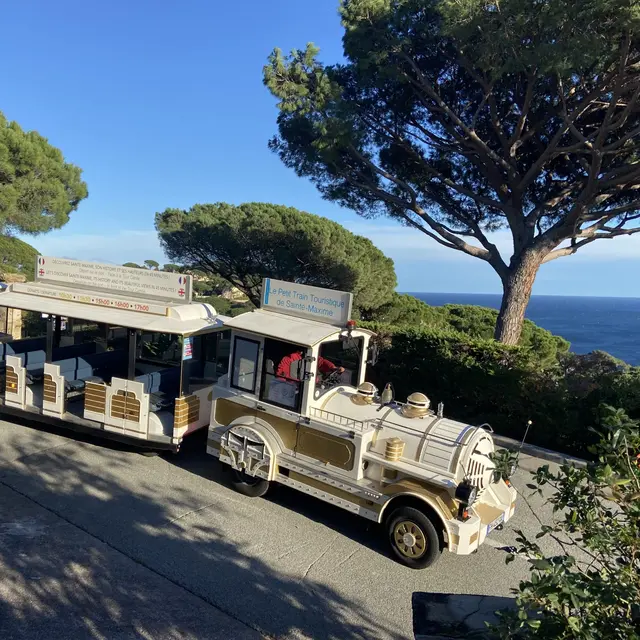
pixel 302 331
pixel 163 317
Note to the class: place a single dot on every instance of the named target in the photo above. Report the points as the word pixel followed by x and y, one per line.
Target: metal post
pixel 49 341
pixel 184 378
pixel 132 354
pixel 185 367
pixel 57 331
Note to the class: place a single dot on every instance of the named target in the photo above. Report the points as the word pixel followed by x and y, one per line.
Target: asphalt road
pixel 98 541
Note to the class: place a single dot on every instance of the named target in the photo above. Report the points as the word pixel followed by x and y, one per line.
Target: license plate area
pixel 498 521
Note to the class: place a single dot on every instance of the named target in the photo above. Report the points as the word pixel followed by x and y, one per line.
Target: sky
pixel 162 105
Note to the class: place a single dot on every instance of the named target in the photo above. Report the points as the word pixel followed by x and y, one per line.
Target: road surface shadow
pixel 449 616
pixel 47 580
pixel 194 458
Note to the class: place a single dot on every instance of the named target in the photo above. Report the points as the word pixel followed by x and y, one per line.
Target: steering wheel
pixel 331 379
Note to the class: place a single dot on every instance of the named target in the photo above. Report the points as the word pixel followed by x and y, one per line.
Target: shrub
pixel 407 311
pixel 590 588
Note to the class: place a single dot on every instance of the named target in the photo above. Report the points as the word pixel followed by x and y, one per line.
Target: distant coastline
pixel 608 324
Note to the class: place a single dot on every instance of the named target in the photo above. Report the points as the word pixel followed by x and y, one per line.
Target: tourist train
pixel 282 389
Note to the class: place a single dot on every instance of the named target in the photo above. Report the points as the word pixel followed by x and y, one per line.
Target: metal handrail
pixel 340 420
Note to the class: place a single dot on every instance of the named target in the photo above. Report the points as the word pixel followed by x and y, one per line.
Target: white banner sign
pixel 93 276
pixel 101 300
pixel 323 305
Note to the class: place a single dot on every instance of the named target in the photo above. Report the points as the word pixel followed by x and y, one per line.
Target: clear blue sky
pixel 162 104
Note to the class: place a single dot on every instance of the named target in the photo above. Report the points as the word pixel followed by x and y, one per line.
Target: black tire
pixel 149 453
pixel 248 485
pixel 407 525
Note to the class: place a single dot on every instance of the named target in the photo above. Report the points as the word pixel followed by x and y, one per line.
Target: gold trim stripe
pixel 125 405
pixel 50 388
pixel 335 491
pixel 11 380
pixel 187 411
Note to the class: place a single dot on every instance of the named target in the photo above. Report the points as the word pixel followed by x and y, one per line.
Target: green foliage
pixel 152 264
pixel 220 304
pixel 33 324
pixel 404 310
pixel 202 288
pixel 172 268
pixel 407 311
pixel 559 37
pixel 461 117
pixel 591 590
pixel 238 308
pixel 227 307
pixel 243 244
pixel 38 189
pixel 16 256
pixel 211 286
pixel 504 462
pixel 132 265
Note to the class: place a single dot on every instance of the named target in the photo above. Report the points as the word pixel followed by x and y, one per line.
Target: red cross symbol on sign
pixel 181 292
pixel 41 272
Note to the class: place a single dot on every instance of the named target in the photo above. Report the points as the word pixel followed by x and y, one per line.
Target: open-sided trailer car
pixel 312 422
pixel 115 350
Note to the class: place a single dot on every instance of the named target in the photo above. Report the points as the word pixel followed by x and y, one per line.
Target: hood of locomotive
pixel 452 449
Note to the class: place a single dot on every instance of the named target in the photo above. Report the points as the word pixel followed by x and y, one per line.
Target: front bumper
pixel 496 506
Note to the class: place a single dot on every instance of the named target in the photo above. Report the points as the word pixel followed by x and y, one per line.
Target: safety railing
pixel 344 422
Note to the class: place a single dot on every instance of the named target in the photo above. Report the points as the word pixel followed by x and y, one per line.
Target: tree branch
pixel 575 245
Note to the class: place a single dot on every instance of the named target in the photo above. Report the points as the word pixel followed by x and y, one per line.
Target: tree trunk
pixel 516 285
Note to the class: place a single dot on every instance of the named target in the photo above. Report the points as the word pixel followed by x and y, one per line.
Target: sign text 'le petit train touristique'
pixel 322 305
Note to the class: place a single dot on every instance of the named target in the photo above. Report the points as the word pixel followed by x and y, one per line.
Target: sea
pixel 589 324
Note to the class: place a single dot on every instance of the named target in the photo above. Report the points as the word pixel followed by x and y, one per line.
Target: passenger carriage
pixel 120 351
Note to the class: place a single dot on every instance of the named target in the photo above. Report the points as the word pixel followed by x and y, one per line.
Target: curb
pixel 538 452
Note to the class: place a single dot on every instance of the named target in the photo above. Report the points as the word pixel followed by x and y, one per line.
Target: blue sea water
pixel 607 324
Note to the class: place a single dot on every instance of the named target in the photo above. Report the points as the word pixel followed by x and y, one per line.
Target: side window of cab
pixel 283 374
pixel 244 372
pixel 340 361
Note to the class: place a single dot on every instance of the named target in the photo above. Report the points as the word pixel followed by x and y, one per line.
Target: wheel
pixel 149 453
pixel 248 485
pixel 413 538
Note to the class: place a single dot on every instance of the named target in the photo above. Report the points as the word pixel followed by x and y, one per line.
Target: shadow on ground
pixel 193 458
pixel 52 571
pixel 447 616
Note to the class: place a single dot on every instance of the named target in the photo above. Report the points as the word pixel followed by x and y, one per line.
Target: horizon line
pixel 534 295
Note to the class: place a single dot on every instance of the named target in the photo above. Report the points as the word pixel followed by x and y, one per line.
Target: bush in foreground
pixel 591 590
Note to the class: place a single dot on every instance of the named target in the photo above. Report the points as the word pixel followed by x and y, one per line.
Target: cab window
pixel 345 353
pixel 245 364
pixel 283 374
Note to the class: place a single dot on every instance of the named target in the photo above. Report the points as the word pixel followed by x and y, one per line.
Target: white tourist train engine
pixel 295 408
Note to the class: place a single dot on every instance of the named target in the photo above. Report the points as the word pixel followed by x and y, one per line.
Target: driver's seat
pixel 270 374
pixel 270 367
pixel 295 370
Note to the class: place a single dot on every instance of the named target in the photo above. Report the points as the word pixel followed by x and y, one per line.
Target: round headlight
pixel 466 493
